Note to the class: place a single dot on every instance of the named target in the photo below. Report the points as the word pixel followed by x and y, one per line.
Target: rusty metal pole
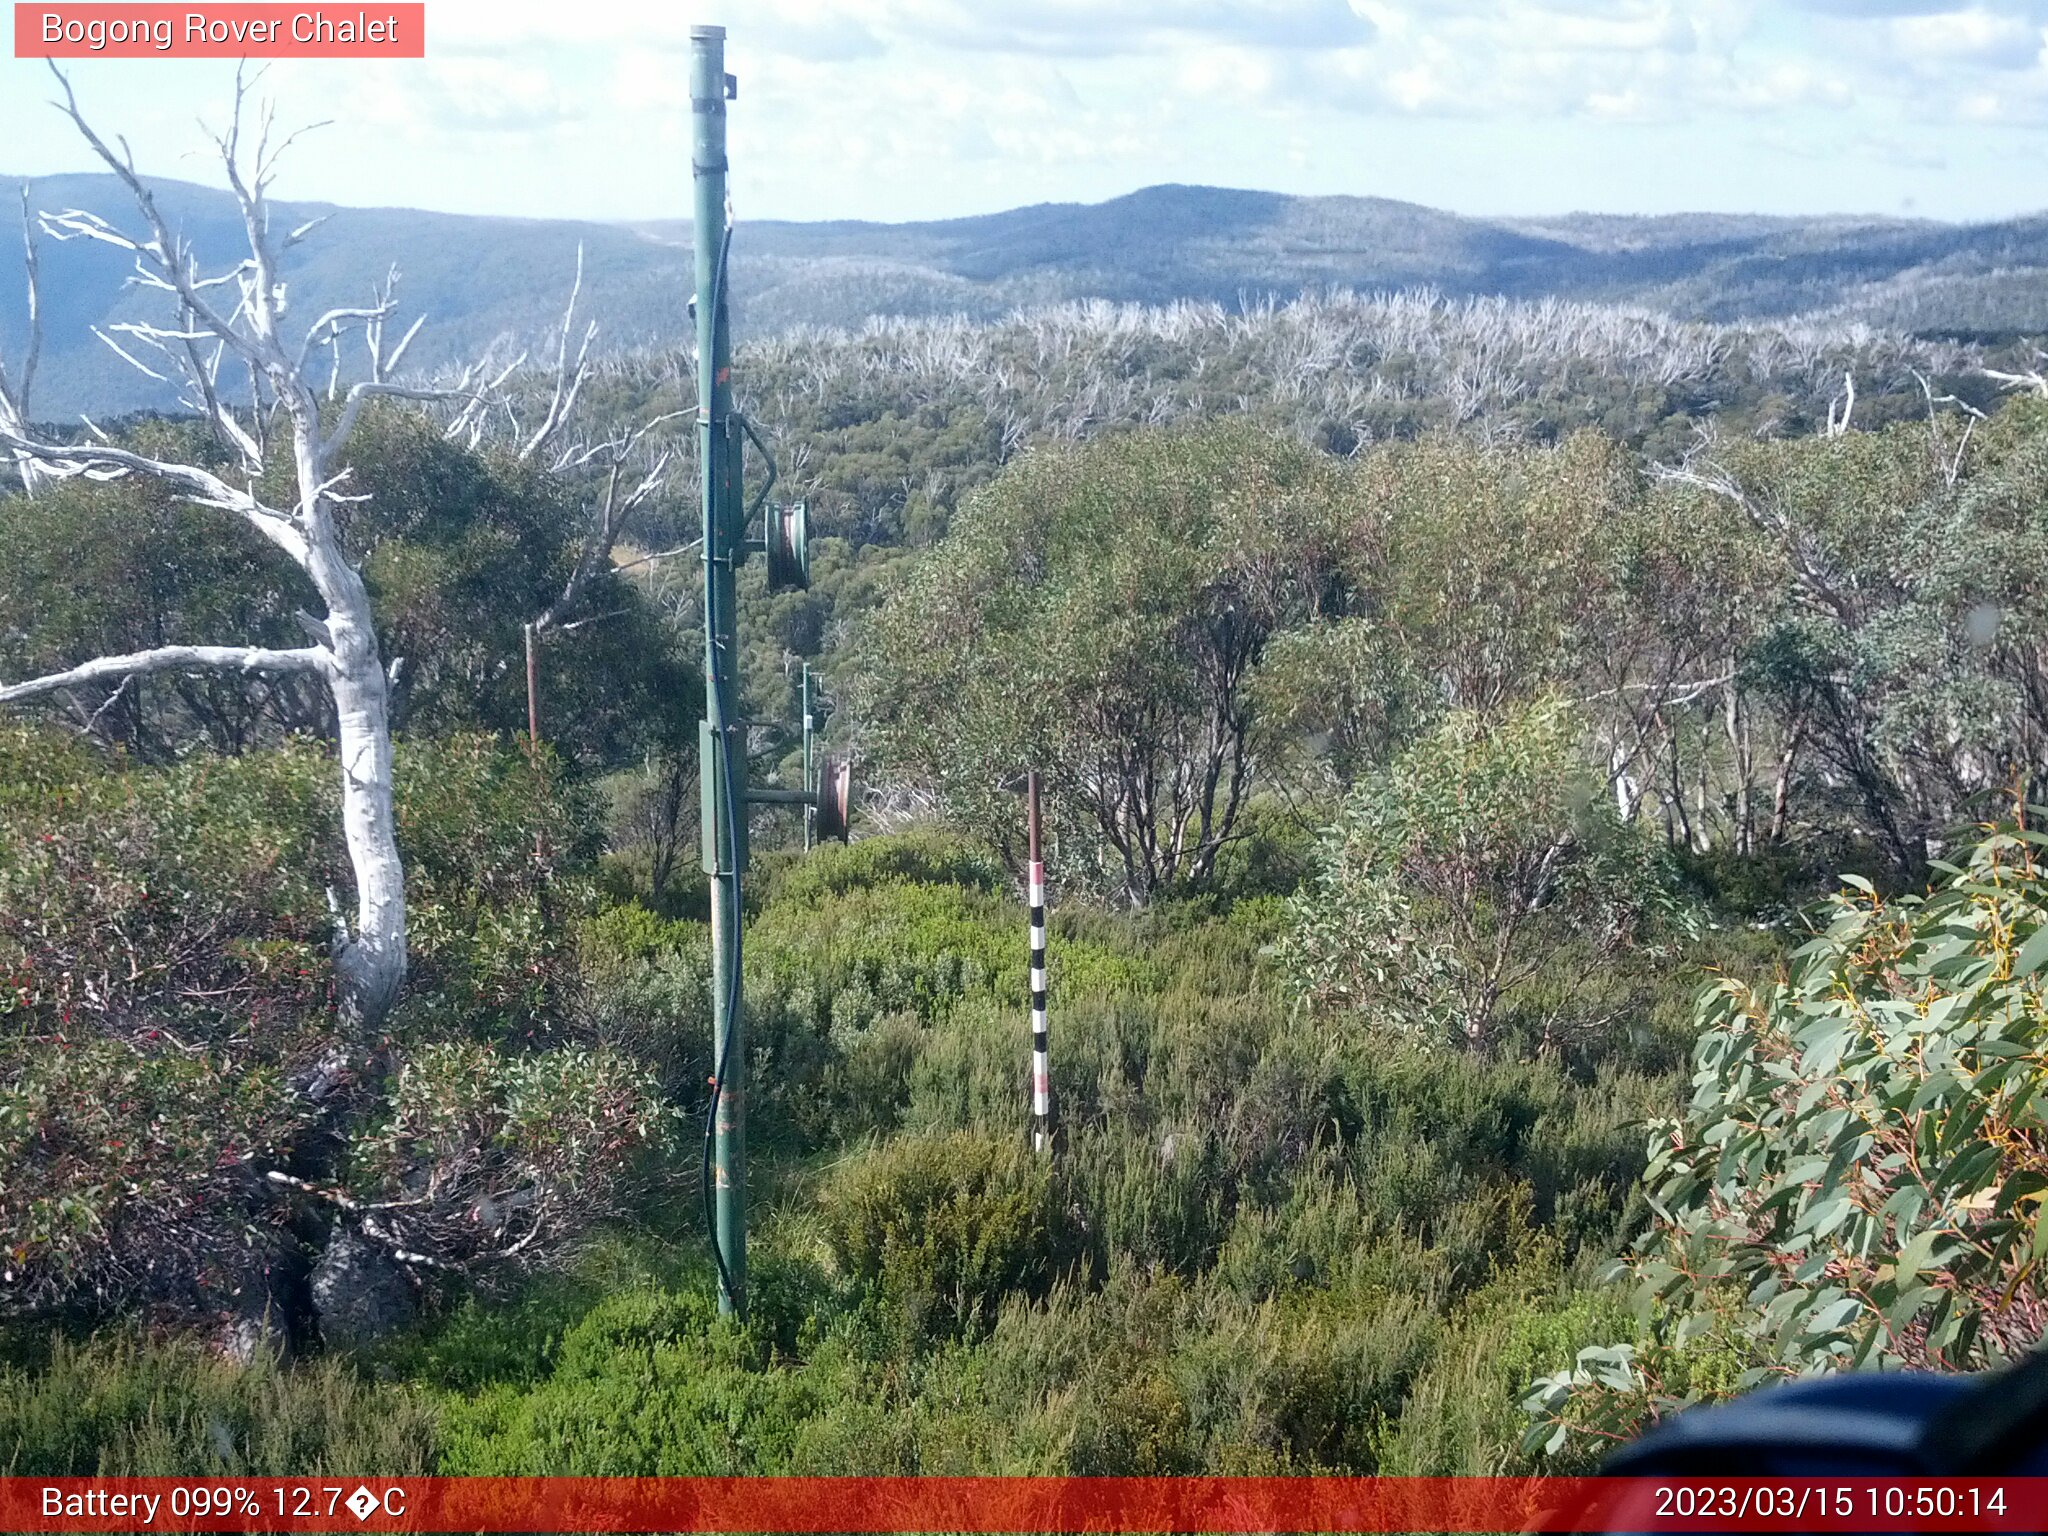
pixel 810 785
pixel 1041 1067
pixel 532 694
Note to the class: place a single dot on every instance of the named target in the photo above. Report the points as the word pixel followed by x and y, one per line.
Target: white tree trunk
pixel 371 959
pixel 370 952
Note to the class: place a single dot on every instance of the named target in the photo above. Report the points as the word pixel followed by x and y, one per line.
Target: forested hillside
pixel 1537 810
pixel 1354 1042
pixel 484 279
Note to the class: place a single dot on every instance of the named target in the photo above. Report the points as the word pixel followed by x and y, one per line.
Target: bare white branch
pixel 569 376
pixel 468 425
pixel 661 554
pixel 161 261
pixel 129 357
pixel 15 392
pixel 613 513
pixel 2032 381
pixel 360 394
pixel 102 461
pixel 386 366
pixel 170 658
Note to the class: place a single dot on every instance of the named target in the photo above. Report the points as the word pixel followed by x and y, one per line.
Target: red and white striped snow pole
pixel 1041 1068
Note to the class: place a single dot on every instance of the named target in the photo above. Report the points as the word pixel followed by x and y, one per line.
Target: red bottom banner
pixel 1022 1504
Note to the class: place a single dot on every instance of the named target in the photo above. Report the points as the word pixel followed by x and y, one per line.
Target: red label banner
pixel 217 31
pixel 991 1504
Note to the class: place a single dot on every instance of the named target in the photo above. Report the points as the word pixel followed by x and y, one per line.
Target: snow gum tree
pixel 233 328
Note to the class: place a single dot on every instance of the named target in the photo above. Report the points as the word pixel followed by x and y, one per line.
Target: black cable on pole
pixel 730 827
pixel 724 1046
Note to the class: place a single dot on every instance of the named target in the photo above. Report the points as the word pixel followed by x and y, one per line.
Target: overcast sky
pixel 902 109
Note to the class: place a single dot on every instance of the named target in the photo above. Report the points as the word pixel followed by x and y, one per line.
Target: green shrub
pixel 910 858
pixel 481 1154
pixel 974 1070
pixel 1095 613
pixel 1461 1417
pixel 867 1087
pixel 120 1407
pixel 188 898
pixel 163 944
pixel 875 1000
pixel 505 1337
pixel 1273 854
pixel 618 936
pixel 127 1173
pixel 646 991
pixel 1155 1201
pixel 1135 1426
pixel 1482 863
pixel 941 1227
pixel 1322 1236
pixel 648 1384
pixel 1858 1179
pixel 1327 1383
pixel 495 840
pixel 895 947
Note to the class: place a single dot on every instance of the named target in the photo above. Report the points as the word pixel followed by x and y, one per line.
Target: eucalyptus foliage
pixel 1097 614
pixel 1859 1179
pixel 1481 858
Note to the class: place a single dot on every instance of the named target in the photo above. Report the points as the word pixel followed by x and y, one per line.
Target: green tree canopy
pixel 460 549
pixel 1096 614
pixel 1482 856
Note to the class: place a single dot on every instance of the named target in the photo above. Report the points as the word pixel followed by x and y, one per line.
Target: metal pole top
pixel 707 33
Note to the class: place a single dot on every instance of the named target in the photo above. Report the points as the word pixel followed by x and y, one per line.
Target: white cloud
pixel 1875 9
pixel 1631 105
pixel 1241 76
pixel 1790 83
pixel 902 108
pixel 1098 28
pixel 1977 36
pixel 470 95
pixel 807 29
pixel 1623 59
pixel 1660 28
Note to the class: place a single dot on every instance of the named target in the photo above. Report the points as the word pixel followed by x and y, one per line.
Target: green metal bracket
pixel 711 802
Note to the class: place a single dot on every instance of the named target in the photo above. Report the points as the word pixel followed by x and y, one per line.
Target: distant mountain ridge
pixel 478 278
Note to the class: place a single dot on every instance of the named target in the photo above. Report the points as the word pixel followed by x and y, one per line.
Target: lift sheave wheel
pixel 835 799
pixel 788 540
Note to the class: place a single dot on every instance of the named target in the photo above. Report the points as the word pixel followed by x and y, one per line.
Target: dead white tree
pixel 15 387
pixel 236 318
pixel 2030 381
pixel 1951 461
pixel 1841 408
pixel 629 467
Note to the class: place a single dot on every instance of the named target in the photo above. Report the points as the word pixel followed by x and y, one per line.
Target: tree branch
pixel 569 377
pixel 171 658
pixel 352 407
pixel 103 461
pixel 161 260
pixel 663 554
pixel 14 393
pixel 614 512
